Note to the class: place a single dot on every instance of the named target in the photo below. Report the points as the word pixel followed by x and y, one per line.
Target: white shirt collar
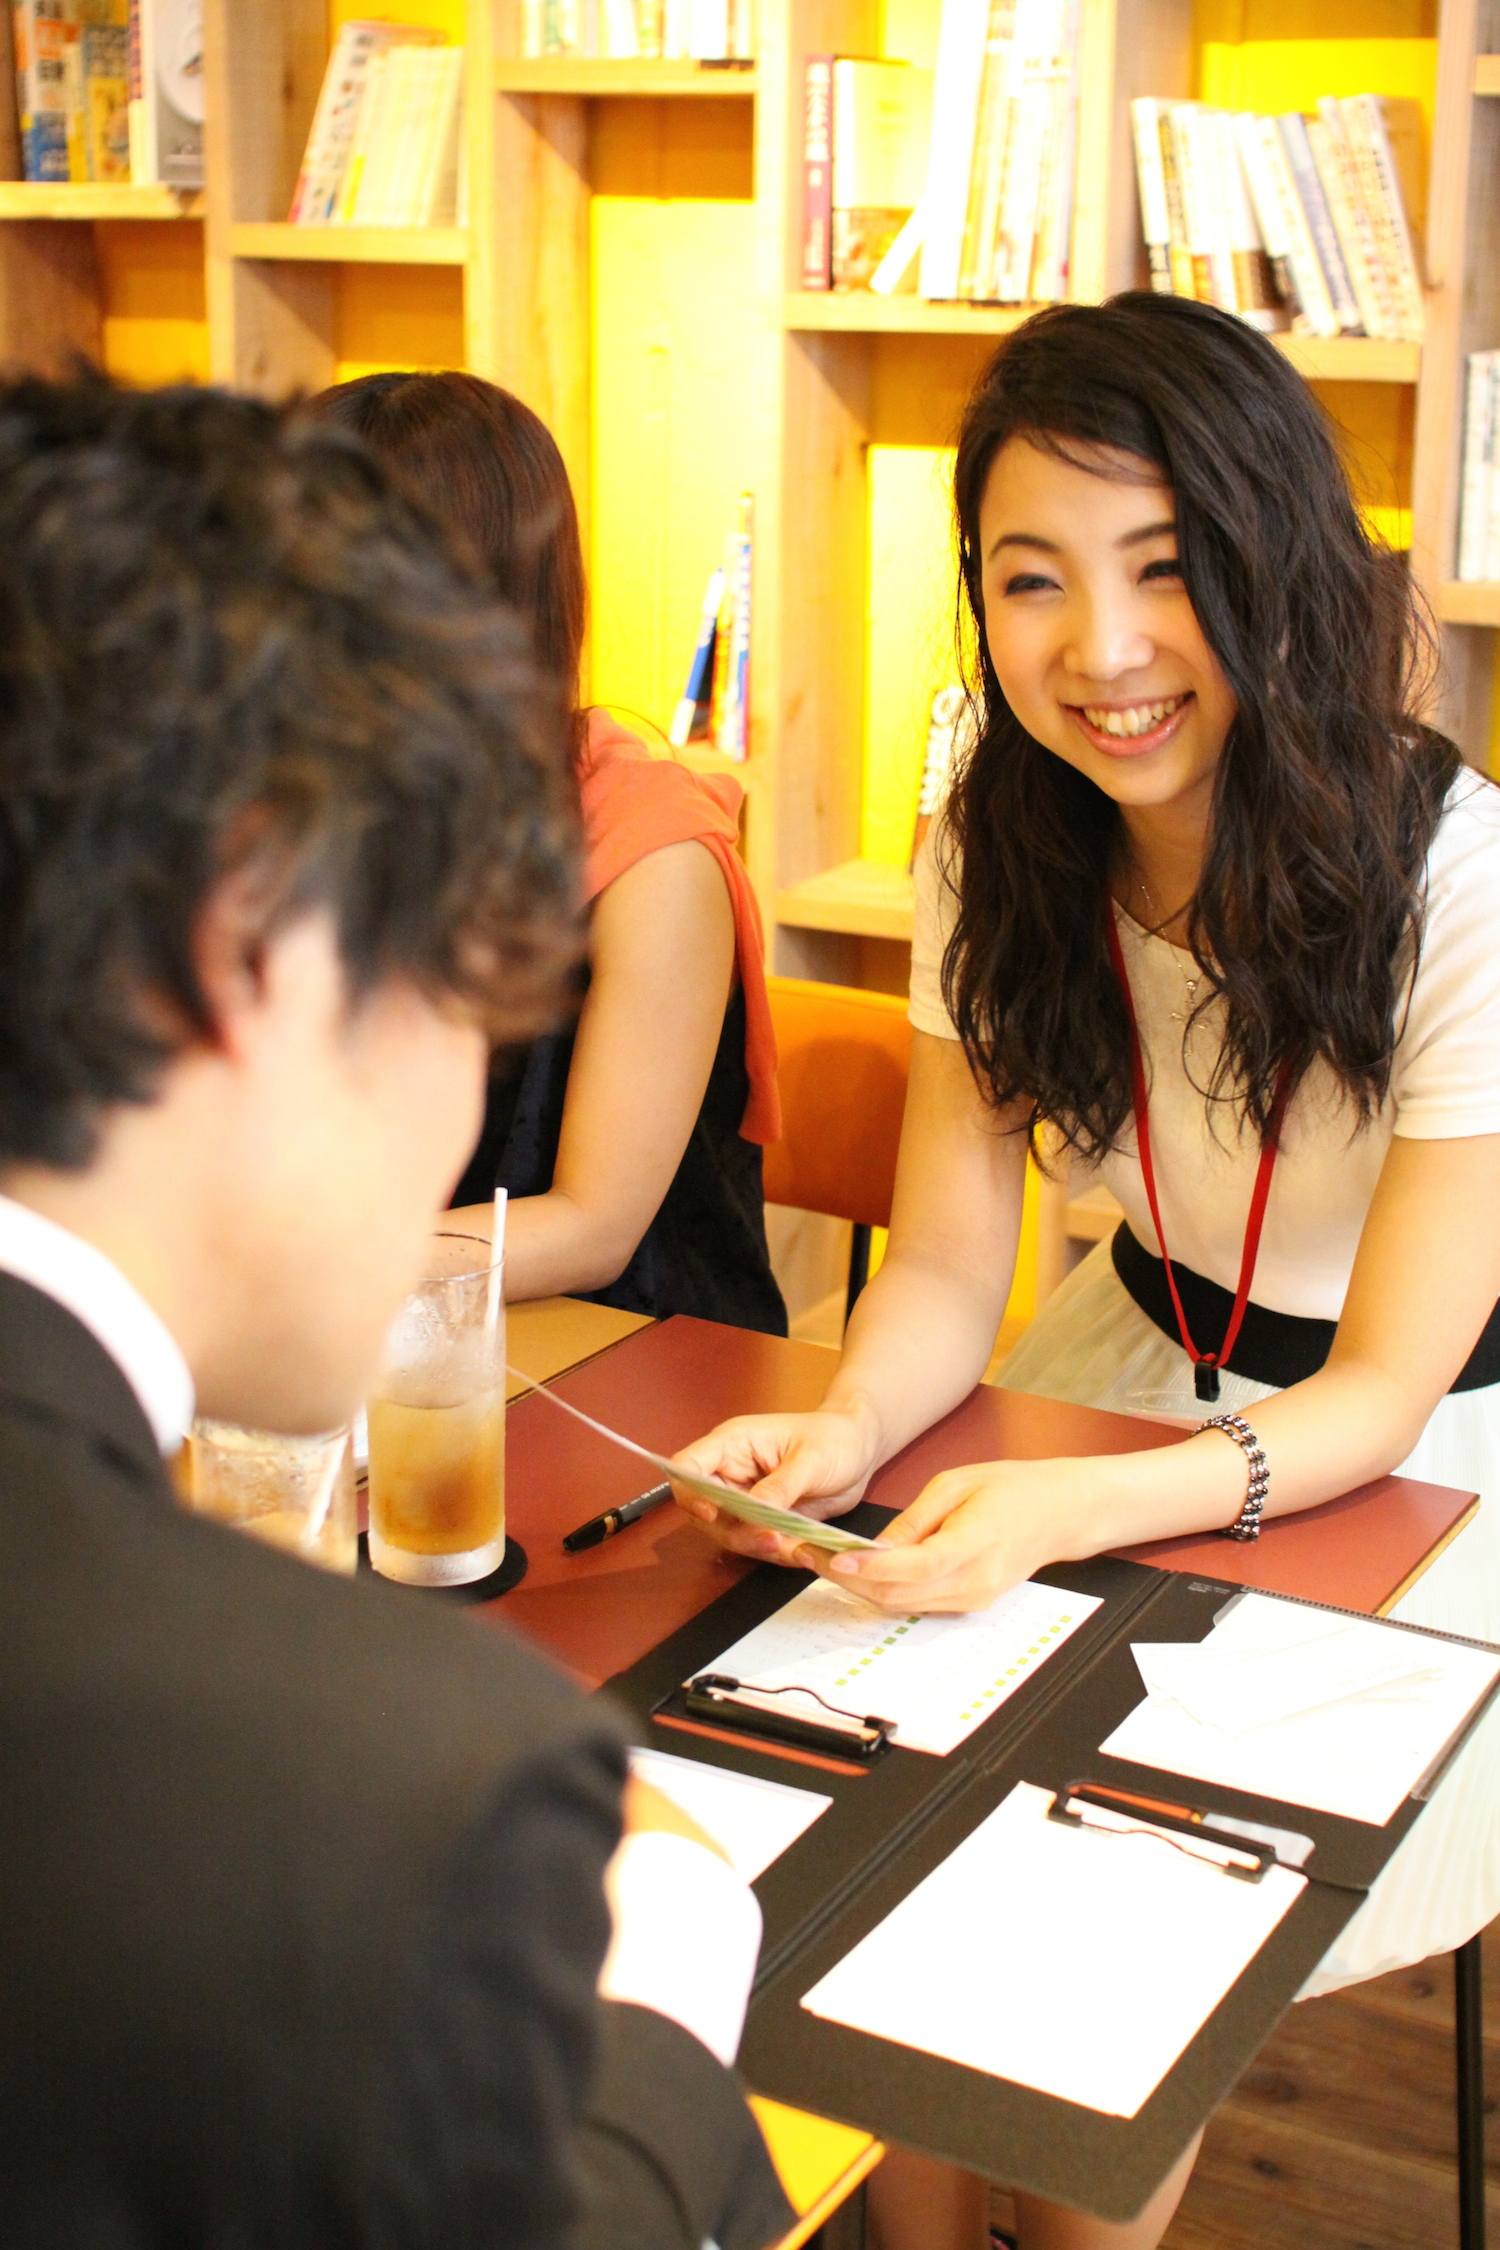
pixel 91 1287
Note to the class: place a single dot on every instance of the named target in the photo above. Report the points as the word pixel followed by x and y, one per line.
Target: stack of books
pixel 959 185
pixel 387 132
pixel 1479 500
pixel 626 30
pixel 996 218
pixel 715 703
pixel 1306 221
pixel 109 91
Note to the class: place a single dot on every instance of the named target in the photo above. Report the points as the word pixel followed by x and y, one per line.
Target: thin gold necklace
pixel 1156 928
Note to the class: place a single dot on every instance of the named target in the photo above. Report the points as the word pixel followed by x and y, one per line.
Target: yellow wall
pixel 151 286
pixel 672 244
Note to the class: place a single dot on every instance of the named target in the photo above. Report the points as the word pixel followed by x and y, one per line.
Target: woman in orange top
pixel 629 1141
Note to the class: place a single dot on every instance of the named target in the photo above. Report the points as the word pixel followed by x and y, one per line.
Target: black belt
pixel 1272 1347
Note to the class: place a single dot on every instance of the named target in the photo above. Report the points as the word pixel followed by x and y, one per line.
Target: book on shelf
pixel 166 93
pixel 951 735
pixel 630 30
pixel 1287 218
pixel 1479 491
pixel 715 702
pixel 998 201
pixel 387 135
pixel 865 128
pixel 72 62
pixel 691 721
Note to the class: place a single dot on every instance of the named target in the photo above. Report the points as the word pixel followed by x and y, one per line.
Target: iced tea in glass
pixel 294 1492
pixel 437 1426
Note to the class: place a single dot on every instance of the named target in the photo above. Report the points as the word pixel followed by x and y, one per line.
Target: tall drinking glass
pixel 293 1492
pixel 437 1426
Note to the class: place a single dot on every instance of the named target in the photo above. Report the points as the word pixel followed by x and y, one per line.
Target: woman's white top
pixel 1445 1082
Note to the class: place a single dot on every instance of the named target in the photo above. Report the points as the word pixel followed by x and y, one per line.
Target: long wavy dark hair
pixel 1329 789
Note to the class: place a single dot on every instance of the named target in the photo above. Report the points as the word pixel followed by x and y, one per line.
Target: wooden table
pixel 667 1383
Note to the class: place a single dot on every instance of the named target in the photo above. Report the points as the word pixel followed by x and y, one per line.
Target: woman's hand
pixel 818 1463
pixel 967 1538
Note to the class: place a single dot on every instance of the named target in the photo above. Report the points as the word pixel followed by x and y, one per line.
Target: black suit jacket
pixel 300 1905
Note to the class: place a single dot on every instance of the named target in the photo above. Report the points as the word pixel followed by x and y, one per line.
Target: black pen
pixel 604 1527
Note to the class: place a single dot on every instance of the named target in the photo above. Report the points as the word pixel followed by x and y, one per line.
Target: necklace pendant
pixel 1206 1381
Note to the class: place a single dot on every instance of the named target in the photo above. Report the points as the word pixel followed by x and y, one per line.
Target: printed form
pixel 936 1678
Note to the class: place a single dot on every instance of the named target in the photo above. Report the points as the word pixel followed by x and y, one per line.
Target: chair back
pixel 844 1060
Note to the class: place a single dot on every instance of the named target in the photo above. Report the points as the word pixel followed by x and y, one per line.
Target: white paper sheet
pixel 1070 1960
pixel 936 1677
pixel 755 1821
pixel 1342 1714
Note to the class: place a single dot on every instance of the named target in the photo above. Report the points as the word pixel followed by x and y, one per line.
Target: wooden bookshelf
pixel 833 374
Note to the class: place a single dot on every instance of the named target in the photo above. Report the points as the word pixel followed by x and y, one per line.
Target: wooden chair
pixel 844 1061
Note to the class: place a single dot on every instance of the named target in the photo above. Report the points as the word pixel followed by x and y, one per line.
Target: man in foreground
pixel 301 1891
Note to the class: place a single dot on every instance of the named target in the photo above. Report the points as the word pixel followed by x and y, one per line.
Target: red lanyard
pixel 1206 1365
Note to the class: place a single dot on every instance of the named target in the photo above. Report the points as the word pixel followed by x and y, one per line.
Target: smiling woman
pixel 1211 902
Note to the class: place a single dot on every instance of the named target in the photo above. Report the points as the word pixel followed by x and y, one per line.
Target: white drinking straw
pixel 497 1268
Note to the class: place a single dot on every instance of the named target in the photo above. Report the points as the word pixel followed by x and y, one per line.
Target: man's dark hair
pixel 230 645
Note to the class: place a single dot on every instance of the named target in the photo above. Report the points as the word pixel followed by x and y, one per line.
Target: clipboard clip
pixel 1115 1813
pixel 757 1711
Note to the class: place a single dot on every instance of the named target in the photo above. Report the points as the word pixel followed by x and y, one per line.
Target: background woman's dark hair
pixel 1329 788
pixel 491 469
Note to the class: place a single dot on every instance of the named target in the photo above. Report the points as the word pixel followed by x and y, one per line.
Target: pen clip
pixel 1081 1806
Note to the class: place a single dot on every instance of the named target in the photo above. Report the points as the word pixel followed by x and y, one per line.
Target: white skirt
pixel 1091 1344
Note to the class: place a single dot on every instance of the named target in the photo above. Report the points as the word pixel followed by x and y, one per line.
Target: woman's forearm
pixel 903 1390
pixel 555 1246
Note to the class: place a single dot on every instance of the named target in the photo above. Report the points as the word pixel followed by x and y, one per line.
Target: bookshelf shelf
pixel 646 79
pixel 862 898
pixel 1459 603
pixel 1322 359
pixel 1351 359
pixel 361 246
pixel 27 199
pixel 859 312
pixel 1487 74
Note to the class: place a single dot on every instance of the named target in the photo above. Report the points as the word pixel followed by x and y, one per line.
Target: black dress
pixel 705 1250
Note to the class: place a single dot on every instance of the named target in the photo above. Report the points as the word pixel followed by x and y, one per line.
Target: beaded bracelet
pixel 1246 1524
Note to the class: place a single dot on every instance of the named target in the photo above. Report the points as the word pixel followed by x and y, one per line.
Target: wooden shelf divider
pixel 1460 603
pixel 1487 74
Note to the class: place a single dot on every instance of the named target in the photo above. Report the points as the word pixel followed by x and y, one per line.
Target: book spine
pixel 1311 285
pixel 734 739
pixel 1054 257
pixel 1353 221
pixel 41 90
pixel 1371 145
pixel 1489 466
pixel 1190 188
pixel 1180 255
pixel 1255 296
pixel 986 174
pixel 650 28
pixel 1038 39
pixel 1292 126
pixel 1268 214
pixel 690 719
pixel 817 173
pixel 1474 503
pixel 316 194
pixel 951 735
pixel 1151 186
pixel 955 112
pixel 106 101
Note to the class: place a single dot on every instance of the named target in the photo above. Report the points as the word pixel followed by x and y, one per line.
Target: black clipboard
pixel 891 1823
